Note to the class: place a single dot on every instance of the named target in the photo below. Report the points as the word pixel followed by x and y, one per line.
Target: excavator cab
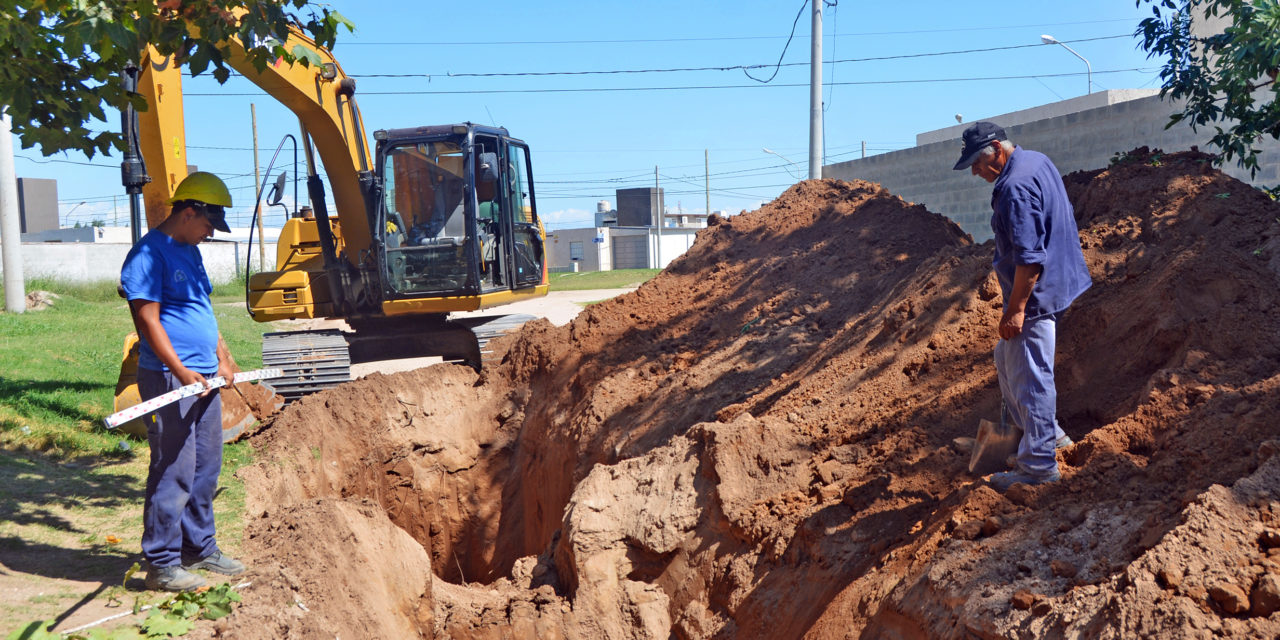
pixel 457 212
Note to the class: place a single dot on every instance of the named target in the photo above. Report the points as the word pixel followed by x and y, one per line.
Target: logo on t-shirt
pixel 179 276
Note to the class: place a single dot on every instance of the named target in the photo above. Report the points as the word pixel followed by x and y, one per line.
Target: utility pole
pixel 864 148
pixel 706 163
pixel 15 291
pixel 657 193
pixel 257 205
pixel 815 94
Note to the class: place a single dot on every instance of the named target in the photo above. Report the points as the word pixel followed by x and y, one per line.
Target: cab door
pixel 527 243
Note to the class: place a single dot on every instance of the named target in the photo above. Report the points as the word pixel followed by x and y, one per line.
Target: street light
pixel 1048 39
pixel 772 152
pixel 68 219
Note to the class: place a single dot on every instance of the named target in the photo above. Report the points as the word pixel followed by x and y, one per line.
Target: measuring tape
pixel 138 410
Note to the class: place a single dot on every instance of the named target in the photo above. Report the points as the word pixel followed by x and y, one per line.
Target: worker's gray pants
pixel 1025 369
pixel 186 457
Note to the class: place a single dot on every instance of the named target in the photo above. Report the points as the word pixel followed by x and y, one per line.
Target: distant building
pixel 626 237
pixel 639 207
pixel 606 216
pixel 37 204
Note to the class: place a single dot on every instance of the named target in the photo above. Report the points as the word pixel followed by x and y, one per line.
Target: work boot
pixel 173 578
pixel 1005 479
pixel 215 562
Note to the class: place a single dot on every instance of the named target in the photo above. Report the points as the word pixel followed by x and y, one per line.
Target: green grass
pixel 616 279
pixel 58 368
pixel 66 483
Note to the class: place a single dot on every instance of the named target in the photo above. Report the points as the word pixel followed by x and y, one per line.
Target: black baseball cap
pixel 977 136
pixel 216 214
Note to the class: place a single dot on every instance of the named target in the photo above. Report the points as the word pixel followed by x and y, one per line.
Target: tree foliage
pixel 62 58
pixel 1226 76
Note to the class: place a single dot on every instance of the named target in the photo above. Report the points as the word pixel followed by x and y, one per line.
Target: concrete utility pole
pixel 15 292
pixel 706 163
pixel 815 94
pixel 257 205
pixel 657 191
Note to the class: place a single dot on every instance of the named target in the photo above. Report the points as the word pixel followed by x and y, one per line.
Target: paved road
pixel 559 307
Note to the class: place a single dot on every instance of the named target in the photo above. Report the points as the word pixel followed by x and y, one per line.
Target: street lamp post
pixel 775 153
pixel 68 216
pixel 1048 39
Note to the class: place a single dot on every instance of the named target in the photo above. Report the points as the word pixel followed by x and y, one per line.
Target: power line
pixel 59 161
pixel 709 87
pixel 882 146
pixel 739 67
pixel 786 46
pixel 490 43
pixel 673 192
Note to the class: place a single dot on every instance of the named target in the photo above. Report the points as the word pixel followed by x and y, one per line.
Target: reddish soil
pixel 759 443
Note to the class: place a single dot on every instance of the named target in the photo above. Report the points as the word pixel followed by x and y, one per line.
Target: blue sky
pixel 591 134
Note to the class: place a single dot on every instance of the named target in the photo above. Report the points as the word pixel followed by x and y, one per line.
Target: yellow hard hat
pixel 202 186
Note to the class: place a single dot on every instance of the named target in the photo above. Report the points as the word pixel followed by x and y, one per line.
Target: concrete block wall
pixel 85 262
pixel 1081 140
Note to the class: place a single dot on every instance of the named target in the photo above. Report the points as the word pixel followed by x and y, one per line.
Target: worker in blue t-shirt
pixel 1041 271
pixel 164 279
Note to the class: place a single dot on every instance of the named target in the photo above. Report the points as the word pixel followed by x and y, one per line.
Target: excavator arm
pixel 321 95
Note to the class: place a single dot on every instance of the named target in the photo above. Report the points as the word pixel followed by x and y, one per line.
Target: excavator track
pixel 317 360
pixel 487 328
pixel 311 361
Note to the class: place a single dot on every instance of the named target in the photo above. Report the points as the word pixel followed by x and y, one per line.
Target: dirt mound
pixel 758 443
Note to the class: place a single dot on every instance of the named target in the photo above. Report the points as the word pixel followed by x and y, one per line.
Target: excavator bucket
pixel 245 404
pixel 127 389
pixel 242 404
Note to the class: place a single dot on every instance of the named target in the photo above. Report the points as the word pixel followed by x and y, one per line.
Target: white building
pixel 614 247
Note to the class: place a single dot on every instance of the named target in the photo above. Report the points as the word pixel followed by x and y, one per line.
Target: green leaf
pixel 215 610
pixel 38 630
pixel 160 625
pixel 339 19
pixel 306 55
pixel 118 633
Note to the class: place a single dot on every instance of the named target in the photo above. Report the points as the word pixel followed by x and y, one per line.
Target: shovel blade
pixel 994 444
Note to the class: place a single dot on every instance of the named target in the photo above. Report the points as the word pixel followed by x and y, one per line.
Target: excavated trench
pixel 759 443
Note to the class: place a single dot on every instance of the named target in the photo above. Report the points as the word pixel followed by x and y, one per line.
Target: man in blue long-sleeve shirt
pixel 1041 271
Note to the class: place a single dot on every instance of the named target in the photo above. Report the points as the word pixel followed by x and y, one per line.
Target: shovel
pixel 994 444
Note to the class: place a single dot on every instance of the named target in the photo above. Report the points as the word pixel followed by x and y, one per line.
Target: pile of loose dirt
pixel 758 443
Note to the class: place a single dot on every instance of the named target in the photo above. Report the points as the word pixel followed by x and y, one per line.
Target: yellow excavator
pixel 437 219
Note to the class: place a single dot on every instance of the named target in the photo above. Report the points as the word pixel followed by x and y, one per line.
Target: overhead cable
pixel 707 87
pixel 738 67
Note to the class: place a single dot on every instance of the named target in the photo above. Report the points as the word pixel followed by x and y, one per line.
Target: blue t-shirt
pixel 1034 223
pixel 161 269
